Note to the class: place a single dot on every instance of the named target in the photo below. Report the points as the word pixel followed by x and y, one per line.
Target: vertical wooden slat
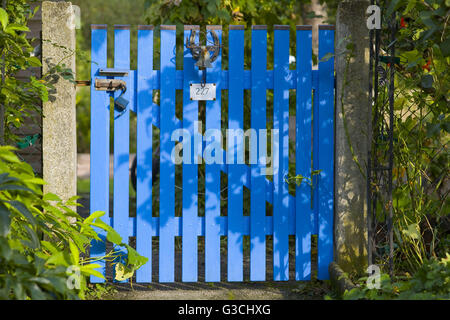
pixel 326 151
pixel 99 183
pixel 212 174
pixel 281 122
pixel 315 178
pixel 236 171
pixel 167 167
pixel 258 183
pixel 190 170
pixel 121 137
pixel 303 228
pixel 144 225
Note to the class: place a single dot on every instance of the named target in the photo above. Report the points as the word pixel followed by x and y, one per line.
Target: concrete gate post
pixel 353 123
pixel 59 116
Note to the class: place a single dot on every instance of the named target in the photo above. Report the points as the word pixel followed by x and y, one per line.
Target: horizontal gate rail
pixel 154 76
pixel 307 213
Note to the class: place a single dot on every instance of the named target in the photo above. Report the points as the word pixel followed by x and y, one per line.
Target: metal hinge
pixel 83 83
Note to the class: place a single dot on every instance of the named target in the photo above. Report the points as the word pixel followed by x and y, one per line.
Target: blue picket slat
pixel 99 178
pixel 190 169
pixel 121 137
pixel 281 122
pixel 303 228
pixel 212 173
pixel 145 121
pixel 315 178
pixel 326 151
pixel 132 86
pixel 237 170
pixel 258 179
pixel 167 166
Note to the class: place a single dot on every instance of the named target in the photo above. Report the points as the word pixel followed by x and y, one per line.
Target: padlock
pixel 120 104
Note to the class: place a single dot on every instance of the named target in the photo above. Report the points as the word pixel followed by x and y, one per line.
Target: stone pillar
pixel 353 123
pixel 59 115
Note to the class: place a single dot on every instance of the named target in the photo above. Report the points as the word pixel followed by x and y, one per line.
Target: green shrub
pixel 430 282
pixel 41 238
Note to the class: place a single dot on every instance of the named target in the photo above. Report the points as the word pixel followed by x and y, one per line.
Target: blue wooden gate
pixel 308 213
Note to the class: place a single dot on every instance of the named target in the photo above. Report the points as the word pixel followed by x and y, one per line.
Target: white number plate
pixel 207 92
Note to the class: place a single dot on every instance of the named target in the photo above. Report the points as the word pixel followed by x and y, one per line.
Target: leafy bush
pixel 18 98
pixel 41 238
pixel 430 282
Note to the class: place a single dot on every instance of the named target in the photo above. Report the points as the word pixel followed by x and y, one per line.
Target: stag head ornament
pixel 204 55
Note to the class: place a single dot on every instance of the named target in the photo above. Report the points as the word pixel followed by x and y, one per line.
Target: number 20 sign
pixel 206 91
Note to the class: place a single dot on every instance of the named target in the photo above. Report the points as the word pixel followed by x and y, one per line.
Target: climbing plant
pixel 421 128
pixel 410 159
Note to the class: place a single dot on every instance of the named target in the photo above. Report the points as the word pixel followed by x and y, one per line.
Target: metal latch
pixel 120 103
pixel 109 84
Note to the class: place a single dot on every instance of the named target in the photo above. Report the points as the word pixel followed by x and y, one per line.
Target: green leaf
pixel 392 6
pixel 19 206
pixel 6 178
pixel 51 197
pixel 93 216
pixel 90 270
pixel 412 231
pixel 5 220
pixel 6 250
pixel 122 272
pixel 426 17
pixel 50 247
pixel 193 12
pixel 40 280
pixel 57 259
pixel 33 242
pixel 36 292
pixel 58 283
pixel 445 47
pixel 114 237
pixel 134 258
pixel 34 62
pixel 17 27
pixel 38 181
pixel 223 15
pixel 3 18
pixel 211 7
pixel 75 253
pixel 14 187
pixel 7 155
pixel 410 6
pixel 18 291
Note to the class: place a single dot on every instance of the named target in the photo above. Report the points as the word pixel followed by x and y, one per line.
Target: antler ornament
pixel 202 54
